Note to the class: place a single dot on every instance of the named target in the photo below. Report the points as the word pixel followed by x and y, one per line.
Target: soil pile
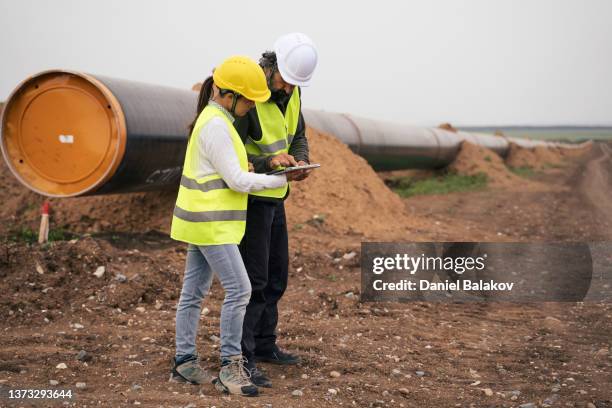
pixel 548 156
pixel 473 160
pixel 542 157
pixel 579 151
pixel 521 157
pixel 447 126
pixel 135 212
pixel 345 194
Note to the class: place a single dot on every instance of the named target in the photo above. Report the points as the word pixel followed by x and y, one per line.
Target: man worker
pixel 274 134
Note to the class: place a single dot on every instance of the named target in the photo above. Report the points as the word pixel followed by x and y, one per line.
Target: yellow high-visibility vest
pixel 277 131
pixel 207 211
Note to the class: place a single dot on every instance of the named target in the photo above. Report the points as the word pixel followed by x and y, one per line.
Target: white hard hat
pixel 296 56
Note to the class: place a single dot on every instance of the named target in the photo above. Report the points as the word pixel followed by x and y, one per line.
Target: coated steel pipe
pixel 68 134
pixel 389 146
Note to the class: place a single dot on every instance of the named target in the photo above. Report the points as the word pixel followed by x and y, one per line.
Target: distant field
pixel 550 133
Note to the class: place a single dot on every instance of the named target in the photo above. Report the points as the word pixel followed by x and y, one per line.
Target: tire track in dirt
pixel 595 184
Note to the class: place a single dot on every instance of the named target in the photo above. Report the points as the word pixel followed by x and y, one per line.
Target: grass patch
pixel 27 235
pixel 60 235
pixel 526 172
pixel 444 184
pixel 24 234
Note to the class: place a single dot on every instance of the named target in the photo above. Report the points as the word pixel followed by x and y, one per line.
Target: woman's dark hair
pixel 205 95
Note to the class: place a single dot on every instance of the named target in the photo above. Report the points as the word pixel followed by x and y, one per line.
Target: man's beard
pixel 279 96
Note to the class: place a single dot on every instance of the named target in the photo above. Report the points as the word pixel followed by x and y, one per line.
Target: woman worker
pixel 210 216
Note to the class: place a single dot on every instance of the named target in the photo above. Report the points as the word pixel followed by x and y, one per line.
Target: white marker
pixel 66 139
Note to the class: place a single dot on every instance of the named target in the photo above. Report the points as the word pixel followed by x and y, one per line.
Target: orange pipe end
pixel 63 133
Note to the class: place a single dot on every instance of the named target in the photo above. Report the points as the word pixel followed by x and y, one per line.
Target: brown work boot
pixel 234 378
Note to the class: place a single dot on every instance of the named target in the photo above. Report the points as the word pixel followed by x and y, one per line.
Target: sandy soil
pixel 397 355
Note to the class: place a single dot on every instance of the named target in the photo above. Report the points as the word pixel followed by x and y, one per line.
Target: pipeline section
pixel 390 146
pixel 67 134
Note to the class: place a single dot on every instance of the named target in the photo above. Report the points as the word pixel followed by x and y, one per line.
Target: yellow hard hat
pixel 244 76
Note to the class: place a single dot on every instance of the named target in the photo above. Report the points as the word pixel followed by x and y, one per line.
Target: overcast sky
pixel 472 62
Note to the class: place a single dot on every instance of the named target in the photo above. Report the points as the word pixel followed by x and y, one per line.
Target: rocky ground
pixel 94 312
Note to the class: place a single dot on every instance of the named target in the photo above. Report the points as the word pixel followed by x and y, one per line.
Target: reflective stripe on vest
pixel 207 211
pixel 205 186
pixel 277 132
pixel 206 216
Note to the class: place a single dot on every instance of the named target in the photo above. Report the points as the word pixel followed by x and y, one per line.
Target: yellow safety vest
pixel 277 133
pixel 207 211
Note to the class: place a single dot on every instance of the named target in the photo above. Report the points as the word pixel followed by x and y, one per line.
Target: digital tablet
pixel 292 169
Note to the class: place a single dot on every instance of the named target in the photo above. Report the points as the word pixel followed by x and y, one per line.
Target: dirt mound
pixel 548 155
pixel 578 151
pixel 136 212
pixel 542 157
pixel 473 160
pixel 521 157
pixel 447 126
pixel 344 195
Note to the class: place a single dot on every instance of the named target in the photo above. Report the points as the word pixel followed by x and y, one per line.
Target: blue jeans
pixel 202 261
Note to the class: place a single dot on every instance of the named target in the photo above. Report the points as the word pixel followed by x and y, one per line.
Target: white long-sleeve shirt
pixel 216 154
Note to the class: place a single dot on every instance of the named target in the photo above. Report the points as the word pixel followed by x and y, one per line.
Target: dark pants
pixel 265 251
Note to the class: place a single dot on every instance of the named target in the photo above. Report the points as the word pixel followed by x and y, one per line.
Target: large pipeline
pixel 390 146
pixel 67 134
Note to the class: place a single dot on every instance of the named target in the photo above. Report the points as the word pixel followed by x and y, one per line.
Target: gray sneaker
pixel 190 371
pixel 234 378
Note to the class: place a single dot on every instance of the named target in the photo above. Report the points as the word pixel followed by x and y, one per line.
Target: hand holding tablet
pixel 292 169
